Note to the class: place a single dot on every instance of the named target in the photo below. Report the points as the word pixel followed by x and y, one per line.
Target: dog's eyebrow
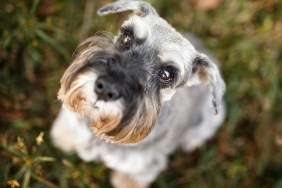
pixel 128 30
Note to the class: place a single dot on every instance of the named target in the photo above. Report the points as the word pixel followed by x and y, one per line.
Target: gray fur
pixel 121 6
pixel 186 117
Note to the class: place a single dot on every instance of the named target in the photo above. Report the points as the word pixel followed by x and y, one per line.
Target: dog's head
pixel 121 83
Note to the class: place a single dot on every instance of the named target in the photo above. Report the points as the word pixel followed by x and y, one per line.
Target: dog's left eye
pixel 125 40
pixel 166 75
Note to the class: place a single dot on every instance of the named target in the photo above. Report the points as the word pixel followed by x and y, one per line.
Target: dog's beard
pixel 138 126
pixel 81 98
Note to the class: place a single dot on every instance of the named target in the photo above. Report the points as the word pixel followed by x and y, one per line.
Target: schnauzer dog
pixel 130 100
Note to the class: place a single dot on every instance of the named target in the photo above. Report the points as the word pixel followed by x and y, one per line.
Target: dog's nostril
pixel 106 90
pixel 112 96
pixel 100 86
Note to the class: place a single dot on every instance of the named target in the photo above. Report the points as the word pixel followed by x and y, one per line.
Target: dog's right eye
pixel 125 41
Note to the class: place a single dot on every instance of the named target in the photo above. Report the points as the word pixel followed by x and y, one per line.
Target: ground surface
pixel 37 39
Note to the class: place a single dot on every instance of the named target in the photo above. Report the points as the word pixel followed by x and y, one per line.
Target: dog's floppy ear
pixel 204 71
pixel 141 7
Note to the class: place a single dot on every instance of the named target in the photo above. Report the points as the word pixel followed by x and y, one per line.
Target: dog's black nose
pixel 106 89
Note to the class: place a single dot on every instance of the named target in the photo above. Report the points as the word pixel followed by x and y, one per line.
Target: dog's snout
pixel 106 89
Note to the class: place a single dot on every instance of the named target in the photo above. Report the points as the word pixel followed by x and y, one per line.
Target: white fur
pixel 195 137
pixel 141 30
pixel 167 94
pixel 93 108
pixel 70 132
pixel 194 80
pixel 86 83
pixel 171 53
pixel 176 125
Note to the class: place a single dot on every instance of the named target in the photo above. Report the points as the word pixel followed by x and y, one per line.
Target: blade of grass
pixel 44 181
pixel 7 40
pixel 13 151
pixel 44 159
pixel 21 172
pixel 34 7
pixel 52 42
pixel 26 179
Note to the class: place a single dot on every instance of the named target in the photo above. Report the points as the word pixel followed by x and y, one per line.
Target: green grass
pixel 37 39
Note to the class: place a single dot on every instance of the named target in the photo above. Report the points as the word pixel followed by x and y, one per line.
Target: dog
pixel 131 99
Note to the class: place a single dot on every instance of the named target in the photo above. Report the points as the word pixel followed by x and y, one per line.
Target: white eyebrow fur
pixel 140 28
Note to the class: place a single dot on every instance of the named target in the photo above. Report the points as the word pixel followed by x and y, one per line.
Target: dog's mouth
pixel 94 105
pixel 126 126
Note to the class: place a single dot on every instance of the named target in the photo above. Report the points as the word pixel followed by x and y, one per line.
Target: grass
pixel 37 39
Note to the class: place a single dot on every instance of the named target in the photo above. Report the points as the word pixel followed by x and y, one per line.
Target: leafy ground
pixel 37 38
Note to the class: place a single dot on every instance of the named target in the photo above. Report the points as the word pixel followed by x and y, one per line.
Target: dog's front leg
pixel 69 132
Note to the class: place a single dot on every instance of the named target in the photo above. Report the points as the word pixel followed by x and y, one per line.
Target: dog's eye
pixel 125 40
pixel 166 75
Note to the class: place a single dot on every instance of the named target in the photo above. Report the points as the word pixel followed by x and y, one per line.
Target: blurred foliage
pixel 37 39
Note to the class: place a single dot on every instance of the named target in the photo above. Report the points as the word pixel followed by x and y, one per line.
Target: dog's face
pixel 120 84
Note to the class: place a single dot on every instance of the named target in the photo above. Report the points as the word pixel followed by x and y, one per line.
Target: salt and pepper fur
pixel 135 133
